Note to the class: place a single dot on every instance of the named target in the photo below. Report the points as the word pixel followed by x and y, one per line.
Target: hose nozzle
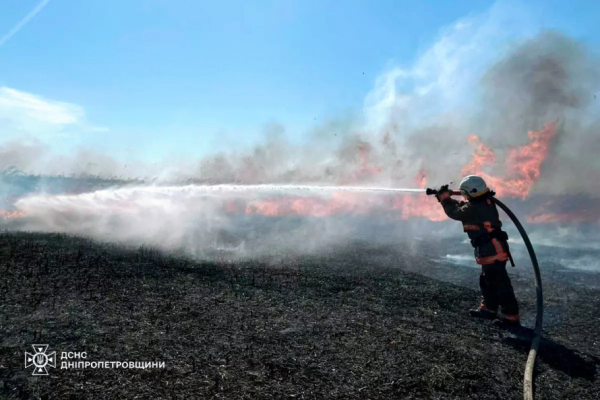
pixel 430 192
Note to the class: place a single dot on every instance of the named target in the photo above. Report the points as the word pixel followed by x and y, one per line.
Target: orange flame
pixel 366 169
pixel 523 163
pixel 558 212
pixel 338 203
pixel 7 214
pixel 406 206
pixel 411 206
pixel 555 217
pixel 483 155
pixel 587 215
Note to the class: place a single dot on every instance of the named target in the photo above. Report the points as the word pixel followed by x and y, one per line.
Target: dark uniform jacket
pixel 482 224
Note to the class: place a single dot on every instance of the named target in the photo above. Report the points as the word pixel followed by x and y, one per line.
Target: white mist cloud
pixel 24 114
pixel 22 107
pixel 35 129
pixel 443 80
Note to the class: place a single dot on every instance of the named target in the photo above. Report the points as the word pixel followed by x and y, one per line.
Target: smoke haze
pixel 415 133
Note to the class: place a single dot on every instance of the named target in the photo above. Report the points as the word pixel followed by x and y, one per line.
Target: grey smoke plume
pixel 18 155
pixel 550 77
pixel 546 77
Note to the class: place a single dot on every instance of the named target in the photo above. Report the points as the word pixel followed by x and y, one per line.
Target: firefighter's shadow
pixel 556 356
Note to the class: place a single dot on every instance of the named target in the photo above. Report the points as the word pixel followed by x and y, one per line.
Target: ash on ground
pixel 360 321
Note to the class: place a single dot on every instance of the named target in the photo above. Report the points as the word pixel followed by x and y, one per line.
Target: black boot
pixel 483 312
pixel 507 320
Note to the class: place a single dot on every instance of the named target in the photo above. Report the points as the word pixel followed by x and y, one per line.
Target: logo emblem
pixel 40 359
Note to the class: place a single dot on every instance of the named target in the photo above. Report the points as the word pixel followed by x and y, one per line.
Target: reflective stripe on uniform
pixel 510 317
pixel 492 259
pixel 471 227
pixel 498 246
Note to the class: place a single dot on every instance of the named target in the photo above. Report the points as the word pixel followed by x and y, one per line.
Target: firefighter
pixel 479 216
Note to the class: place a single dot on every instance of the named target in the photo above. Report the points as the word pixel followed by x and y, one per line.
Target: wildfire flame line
pixel 15 214
pixel 522 169
pixel 523 163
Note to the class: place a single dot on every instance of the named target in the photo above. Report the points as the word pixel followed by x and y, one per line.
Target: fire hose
pixel 530 365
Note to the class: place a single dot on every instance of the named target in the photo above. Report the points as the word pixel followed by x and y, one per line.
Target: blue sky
pixel 151 78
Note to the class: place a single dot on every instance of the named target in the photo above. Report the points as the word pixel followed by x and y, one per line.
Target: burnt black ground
pixel 350 324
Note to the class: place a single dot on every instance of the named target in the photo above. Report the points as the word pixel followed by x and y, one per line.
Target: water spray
pixel 269 187
pixel 223 188
pixel 529 366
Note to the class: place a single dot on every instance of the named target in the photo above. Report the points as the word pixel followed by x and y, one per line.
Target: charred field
pixel 349 324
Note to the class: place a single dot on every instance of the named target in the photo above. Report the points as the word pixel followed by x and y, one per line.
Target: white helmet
pixel 473 186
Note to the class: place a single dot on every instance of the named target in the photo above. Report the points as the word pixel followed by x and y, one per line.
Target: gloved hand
pixel 443 193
